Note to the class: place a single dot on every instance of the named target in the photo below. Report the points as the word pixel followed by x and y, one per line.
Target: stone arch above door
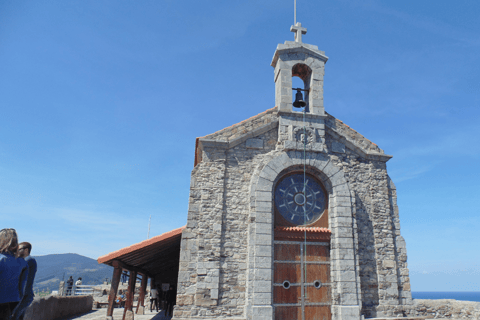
pixel 344 265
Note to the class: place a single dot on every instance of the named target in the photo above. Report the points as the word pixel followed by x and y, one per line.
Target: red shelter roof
pixel 156 256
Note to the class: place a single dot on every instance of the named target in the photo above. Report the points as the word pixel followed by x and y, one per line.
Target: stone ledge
pixel 398 318
pixel 57 307
pixel 447 309
pixel 203 318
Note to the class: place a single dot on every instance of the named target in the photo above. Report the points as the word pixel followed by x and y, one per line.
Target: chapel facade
pixel 292 214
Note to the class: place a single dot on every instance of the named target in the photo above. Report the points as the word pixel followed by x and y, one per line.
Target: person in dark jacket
pixel 13 273
pixel 23 251
pixel 69 286
pixel 170 300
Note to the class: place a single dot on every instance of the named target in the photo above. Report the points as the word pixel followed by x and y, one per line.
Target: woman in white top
pixel 153 298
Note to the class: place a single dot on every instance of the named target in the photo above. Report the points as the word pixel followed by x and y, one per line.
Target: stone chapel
pixel 292 214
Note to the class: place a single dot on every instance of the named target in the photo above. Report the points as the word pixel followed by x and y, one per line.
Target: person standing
pixel 24 250
pixel 13 273
pixel 170 297
pixel 69 286
pixel 77 284
pixel 153 297
pixel 124 277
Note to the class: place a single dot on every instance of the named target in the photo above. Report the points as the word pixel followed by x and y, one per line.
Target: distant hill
pixel 53 268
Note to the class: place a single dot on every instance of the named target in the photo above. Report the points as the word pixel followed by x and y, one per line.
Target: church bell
pixel 299 102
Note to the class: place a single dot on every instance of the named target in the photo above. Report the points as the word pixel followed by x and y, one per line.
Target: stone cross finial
pixel 298 31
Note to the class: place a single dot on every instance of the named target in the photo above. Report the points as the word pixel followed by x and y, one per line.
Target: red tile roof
pixel 308 229
pixel 149 242
pixel 302 234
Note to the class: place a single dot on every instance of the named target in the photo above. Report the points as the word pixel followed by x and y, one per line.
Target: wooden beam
pixel 130 268
pixel 117 271
pixel 130 292
pixel 145 254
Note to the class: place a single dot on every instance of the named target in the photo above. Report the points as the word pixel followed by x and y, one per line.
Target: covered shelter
pixel 156 258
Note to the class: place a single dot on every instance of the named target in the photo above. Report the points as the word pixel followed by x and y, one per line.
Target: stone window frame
pixel 346 294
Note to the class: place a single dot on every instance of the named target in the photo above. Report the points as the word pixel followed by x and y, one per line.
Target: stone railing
pixel 75 290
pixel 83 290
pixel 56 307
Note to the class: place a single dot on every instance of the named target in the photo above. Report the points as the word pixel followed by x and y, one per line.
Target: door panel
pixel 282 295
pixel 287 252
pixel 318 253
pixel 318 313
pixel 318 272
pixel 289 265
pixel 315 295
pixel 288 313
pixel 287 271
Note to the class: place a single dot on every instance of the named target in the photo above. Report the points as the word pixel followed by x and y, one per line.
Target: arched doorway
pixel 301 282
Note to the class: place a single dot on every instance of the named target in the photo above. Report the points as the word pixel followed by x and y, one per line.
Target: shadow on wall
pixel 367 264
pixel 54 307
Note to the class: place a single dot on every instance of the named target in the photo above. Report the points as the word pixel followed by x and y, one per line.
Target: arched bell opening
pixel 301 78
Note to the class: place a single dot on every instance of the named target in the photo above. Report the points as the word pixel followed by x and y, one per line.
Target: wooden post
pixel 130 292
pixel 141 297
pixel 144 289
pixel 117 272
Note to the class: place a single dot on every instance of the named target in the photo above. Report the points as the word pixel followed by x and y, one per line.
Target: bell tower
pixel 298 59
pixel 295 58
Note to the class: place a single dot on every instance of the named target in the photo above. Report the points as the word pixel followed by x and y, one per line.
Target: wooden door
pixel 301 289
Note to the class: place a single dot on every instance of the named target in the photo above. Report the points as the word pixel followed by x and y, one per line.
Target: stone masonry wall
pixel 198 279
pixel 351 135
pixel 403 277
pixel 212 278
pixel 385 287
pixel 54 307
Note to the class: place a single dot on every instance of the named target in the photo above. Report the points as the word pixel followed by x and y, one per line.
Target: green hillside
pixel 53 268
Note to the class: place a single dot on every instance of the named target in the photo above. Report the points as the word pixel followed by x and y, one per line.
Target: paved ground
pixel 100 314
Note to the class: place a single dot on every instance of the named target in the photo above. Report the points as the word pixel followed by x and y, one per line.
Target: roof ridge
pixel 355 131
pixel 241 122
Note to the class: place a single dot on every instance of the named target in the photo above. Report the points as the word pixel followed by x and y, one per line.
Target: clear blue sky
pixel 101 102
